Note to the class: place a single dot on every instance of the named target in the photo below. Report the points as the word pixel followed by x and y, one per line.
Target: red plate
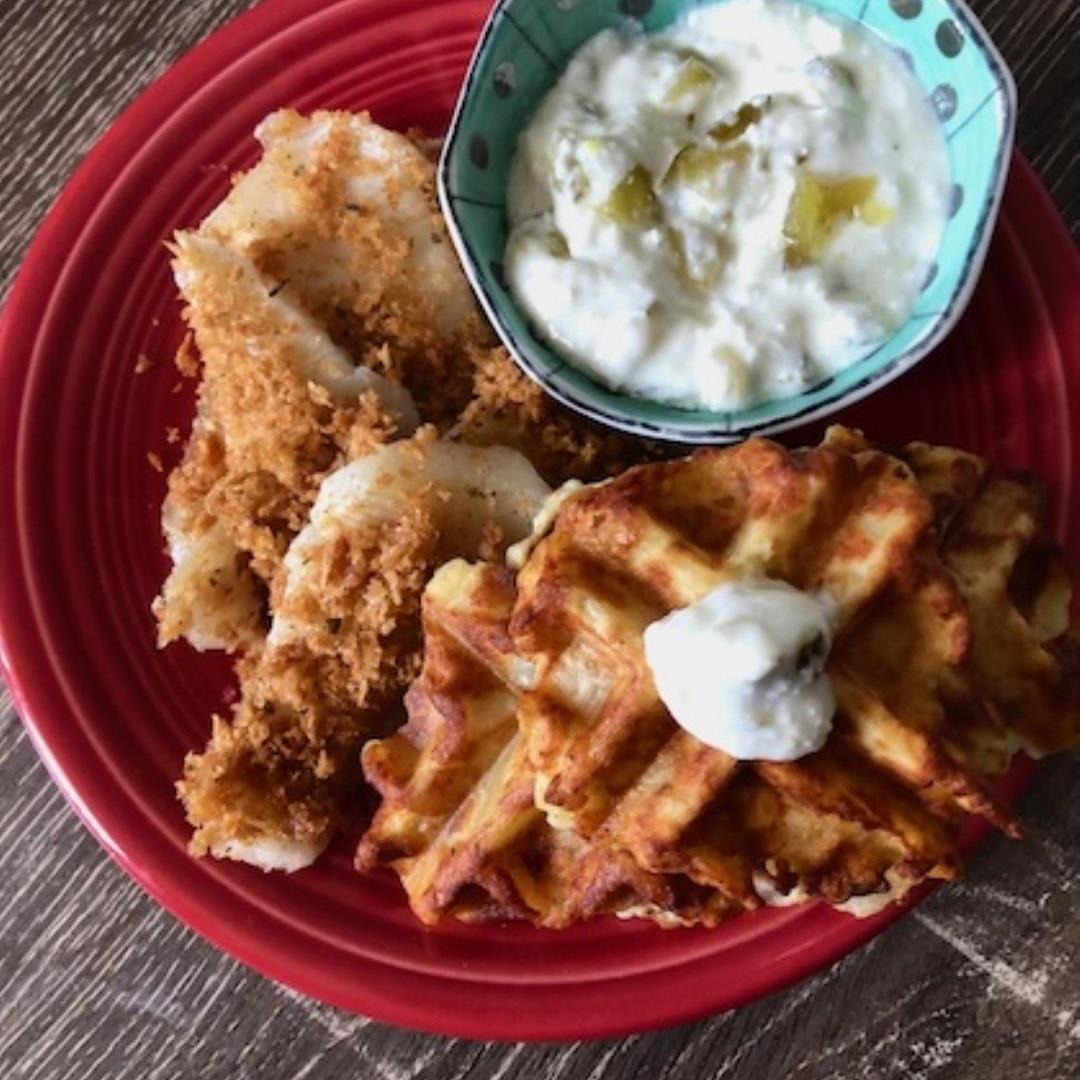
pixel 80 553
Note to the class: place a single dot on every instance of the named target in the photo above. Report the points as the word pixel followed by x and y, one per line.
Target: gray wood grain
pixel 96 981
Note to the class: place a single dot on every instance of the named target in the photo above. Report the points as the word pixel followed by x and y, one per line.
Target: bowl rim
pixel 731 430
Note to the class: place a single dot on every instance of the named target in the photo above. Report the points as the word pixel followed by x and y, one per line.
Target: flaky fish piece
pixel 857 823
pixel 340 218
pixel 272 784
pixel 458 822
pixel 340 214
pixel 275 299
pixel 279 406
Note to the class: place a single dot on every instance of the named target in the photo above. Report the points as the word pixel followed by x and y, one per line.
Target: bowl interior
pixel 522 51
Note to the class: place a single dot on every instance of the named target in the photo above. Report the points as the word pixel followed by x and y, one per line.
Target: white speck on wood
pixel 508 1062
pixel 923 1059
pixel 793 1004
pixel 1029 987
pixel 604 1060
pixel 993 895
pixel 337 1024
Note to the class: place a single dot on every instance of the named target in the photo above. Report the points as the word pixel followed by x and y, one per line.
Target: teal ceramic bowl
pixel 522 50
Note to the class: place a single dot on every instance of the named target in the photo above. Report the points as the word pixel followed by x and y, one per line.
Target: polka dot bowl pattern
pixel 522 50
pixel 81 553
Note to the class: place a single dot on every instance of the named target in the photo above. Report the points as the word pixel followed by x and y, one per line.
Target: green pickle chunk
pixel 729 130
pixel 693 74
pixel 557 245
pixel 633 201
pixel 819 206
pixel 698 162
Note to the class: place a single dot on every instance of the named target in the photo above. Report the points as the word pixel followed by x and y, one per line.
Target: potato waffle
pixel 458 821
pixel 1025 656
pixel 540 775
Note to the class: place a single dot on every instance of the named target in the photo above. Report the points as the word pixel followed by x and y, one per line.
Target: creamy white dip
pixel 728 211
pixel 743 669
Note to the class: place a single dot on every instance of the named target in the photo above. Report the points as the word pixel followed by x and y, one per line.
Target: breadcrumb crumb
pixel 187 358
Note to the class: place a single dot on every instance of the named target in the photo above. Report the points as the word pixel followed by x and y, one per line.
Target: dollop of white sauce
pixel 743 668
pixel 653 194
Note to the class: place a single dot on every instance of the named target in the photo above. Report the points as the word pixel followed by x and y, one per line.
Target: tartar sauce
pixel 743 669
pixel 727 211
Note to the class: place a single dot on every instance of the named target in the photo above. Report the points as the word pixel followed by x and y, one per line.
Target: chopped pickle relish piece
pixel 633 201
pixel 557 245
pixel 729 130
pixel 819 206
pixel 698 162
pixel 693 74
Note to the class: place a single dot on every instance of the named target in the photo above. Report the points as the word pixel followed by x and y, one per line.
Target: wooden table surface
pixel 96 981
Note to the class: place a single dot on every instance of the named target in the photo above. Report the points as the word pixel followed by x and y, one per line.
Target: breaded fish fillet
pixel 272 785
